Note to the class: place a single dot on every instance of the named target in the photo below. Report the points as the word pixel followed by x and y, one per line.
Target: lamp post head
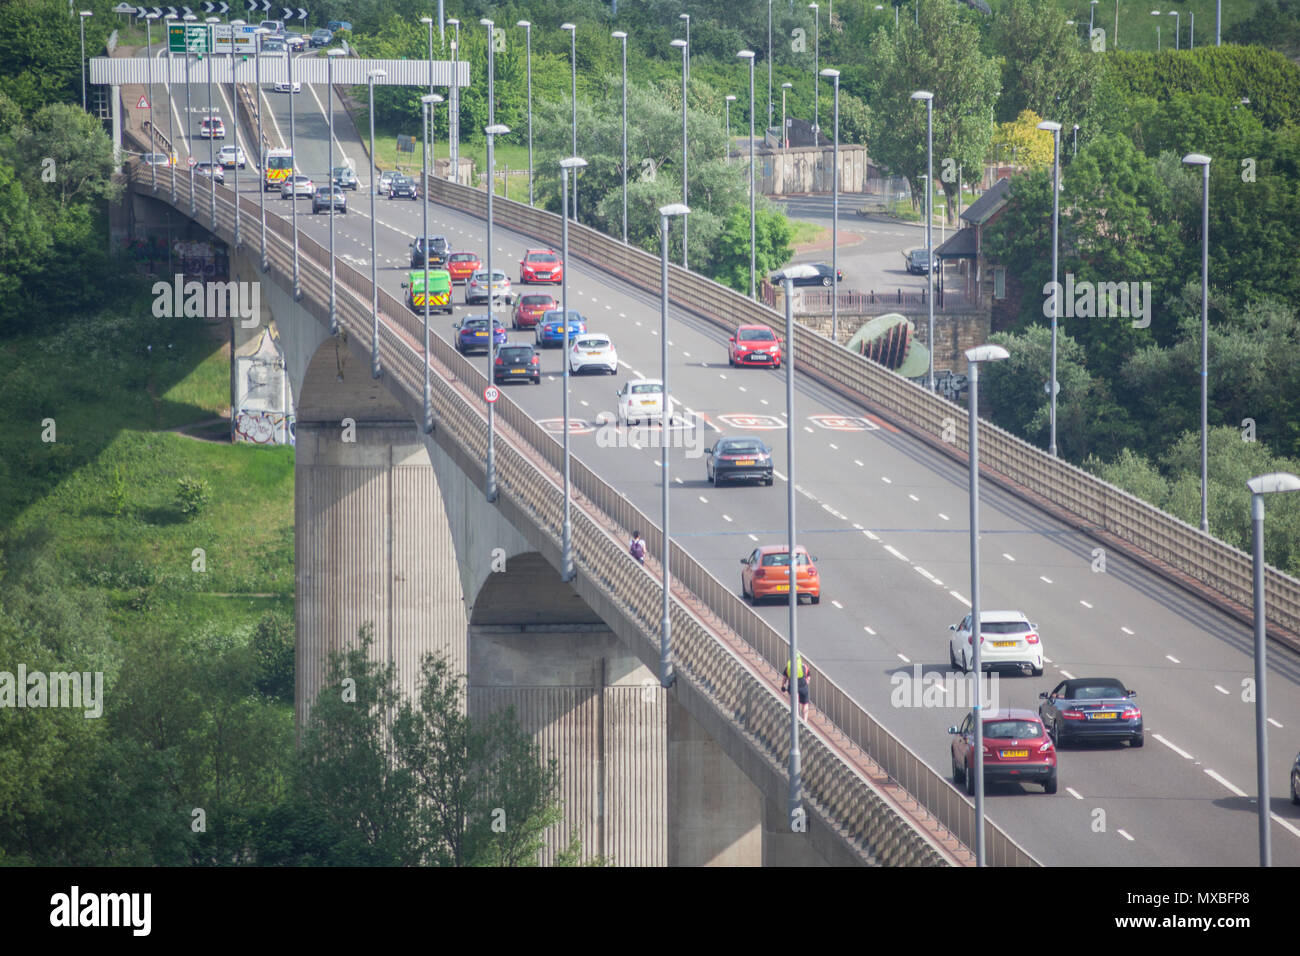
pixel 832 75
pixel 987 353
pixel 188 17
pixel 922 95
pixel 211 19
pixel 376 74
pixel 496 130
pixel 262 31
pixel 233 23
pixel 330 53
pixel 731 98
pixel 679 42
pixel 619 35
pixel 155 16
pixel 573 162
pixel 568 26
pixel 800 270
pixel 684 16
pixel 787 86
pixel 526 24
pixel 87 13
pixel 173 16
pixel 431 98
pixel 1273 482
pixel 746 54
pixel 1076 127
pixel 1196 159
pixel 812 6
pixel 1050 125
pixel 485 22
pixel 453 21
pixel 674 209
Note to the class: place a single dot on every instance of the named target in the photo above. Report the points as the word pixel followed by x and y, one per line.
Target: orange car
pixel 767 573
pixel 462 265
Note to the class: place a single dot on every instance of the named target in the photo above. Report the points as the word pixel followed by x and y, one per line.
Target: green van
pixel 439 290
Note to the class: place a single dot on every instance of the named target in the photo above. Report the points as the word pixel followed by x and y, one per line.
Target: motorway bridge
pixel 883 500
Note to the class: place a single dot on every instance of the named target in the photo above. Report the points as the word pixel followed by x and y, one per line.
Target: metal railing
pixel 833 785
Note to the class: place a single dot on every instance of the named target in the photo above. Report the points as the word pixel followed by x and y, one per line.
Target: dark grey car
pixel 321 200
pixel 403 188
pixel 738 459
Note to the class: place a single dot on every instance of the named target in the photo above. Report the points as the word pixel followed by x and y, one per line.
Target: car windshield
pixel 1098 691
pixel 479 325
pixel 463 257
pixel 781 559
pixel 516 353
pixel 647 388
pixel 1003 627
pixel 537 300
pixel 496 276
pixel 918 255
pixel 739 448
pixel 554 317
pixel 543 257
pixel 756 335
pixel 591 344
pixel 342 171
pixel 1012 729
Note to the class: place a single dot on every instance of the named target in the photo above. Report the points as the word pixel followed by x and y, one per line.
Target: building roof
pixel 994 198
pixel 960 245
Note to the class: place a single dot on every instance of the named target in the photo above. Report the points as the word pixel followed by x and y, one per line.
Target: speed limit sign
pixel 192 160
pixel 491 394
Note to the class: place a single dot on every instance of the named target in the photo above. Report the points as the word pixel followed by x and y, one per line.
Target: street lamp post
pixel 493 131
pixel 528 46
pixel 453 109
pixel 172 155
pixel 1261 485
pixel 983 353
pixel 148 28
pixel 817 86
pixel 621 36
pixel 753 251
pixel 566 533
pixel 730 98
pixel 426 108
pixel 1156 13
pixel 212 162
pixel 1052 386
pixel 330 54
pixel 785 139
pixel 1191 30
pixel 1218 19
pixel 1200 159
pixel 90 13
pixel 261 165
pixel 573 92
pixel 666 676
pixel 1092 10
pixel 374 254
pixel 428 22
pixel 685 45
pixel 929 220
pixel 769 62
pixel 234 122
pixel 1076 139
pixel 834 75
pixel 293 208
pixel 1178 21
pixel 687 18
pixel 189 142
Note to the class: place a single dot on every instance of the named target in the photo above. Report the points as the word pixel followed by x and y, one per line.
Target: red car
pixel 754 345
pixel 532 307
pixel 1016 747
pixel 541 265
pixel 462 265
pixel 767 573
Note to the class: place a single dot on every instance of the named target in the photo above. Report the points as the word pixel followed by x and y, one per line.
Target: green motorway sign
pixel 187 37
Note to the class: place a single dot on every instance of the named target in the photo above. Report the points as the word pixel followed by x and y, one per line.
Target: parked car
pixel 211 127
pixel 321 37
pixel 517 361
pixel 766 573
pixel 550 328
pixel 1091 708
pixel 435 283
pixel 403 187
pixel 212 170
pixel 914 259
pixel 323 197
pixel 531 308
pixel 821 276
pixel 462 265
pixel 230 156
pixel 1016 748
pixel 344 177
pixel 642 400
pixel 754 345
pixel 472 334
pixel 438 246
pixel 541 265
pixel 476 289
pixel 738 459
pixel 1007 639
pixel 592 350
pixel 295 187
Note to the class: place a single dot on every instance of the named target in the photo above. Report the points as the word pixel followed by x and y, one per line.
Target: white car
pixel 286 87
pixel 1007 639
pixel 155 159
pixel 212 128
pixel 296 187
pixel 642 400
pixel 593 350
pixel 386 181
pixel 229 156
pixel 476 289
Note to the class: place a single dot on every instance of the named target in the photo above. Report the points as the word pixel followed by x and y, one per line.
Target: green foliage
pixel 772 242
pixel 1275 24
pixel 273 653
pixel 1044 66
pixel 192 494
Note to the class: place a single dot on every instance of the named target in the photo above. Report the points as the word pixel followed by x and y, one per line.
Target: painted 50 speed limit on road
pixel 491 394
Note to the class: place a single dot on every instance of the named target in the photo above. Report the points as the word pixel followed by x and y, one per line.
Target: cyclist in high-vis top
pixel 801 671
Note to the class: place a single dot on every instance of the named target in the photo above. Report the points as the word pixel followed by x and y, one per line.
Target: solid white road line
pixel 1225 781
pixel 1176 749
pixel 1125 835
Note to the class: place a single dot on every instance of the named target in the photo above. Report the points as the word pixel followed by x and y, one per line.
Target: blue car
pixel 550 330
pixel 472 334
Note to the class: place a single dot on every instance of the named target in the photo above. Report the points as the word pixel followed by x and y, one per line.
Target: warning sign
pixel 143 104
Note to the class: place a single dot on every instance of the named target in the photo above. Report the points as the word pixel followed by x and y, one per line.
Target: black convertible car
pixel 1091 708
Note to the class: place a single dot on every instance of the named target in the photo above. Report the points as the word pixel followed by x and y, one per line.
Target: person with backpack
pixel 637 547
pixel 802 672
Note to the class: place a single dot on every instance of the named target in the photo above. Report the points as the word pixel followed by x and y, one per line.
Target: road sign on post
pixel 491 394
pixel 187 37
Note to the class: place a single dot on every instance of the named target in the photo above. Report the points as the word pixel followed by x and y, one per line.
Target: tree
pixel 941 55
pixel 24 243
pixel 1045 68
pixel 772 244
pixel 1022 139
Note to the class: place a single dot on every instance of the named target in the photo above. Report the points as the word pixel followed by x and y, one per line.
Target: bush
pixel 192 494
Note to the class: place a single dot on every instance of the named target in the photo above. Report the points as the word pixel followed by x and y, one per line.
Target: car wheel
pixel 1140 739
pixel 958 774
pixel 1036 671
pixel 714 478
pixel 743 593
pixel 1054 732
pixel 1049 785
pixel 731 360
pixel 815 598
pixel 1295 797
pixel 826 280
pixel 769 481
pixel 952 658
pixel 970 781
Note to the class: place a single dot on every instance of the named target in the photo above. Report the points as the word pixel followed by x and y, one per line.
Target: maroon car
pixel 531 308
pixel 1016 749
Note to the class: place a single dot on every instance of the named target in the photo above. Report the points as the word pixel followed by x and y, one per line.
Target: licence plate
pixel 1014 753
pixel 480 335
pixel 783 587
pixel 543 275
pixel 745 461
pixel 1004 643
pixel 593 353
pixel 517 371
pixel 643 402
pixel 1109 715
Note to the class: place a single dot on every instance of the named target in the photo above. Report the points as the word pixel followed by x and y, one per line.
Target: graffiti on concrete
pixel 260 427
